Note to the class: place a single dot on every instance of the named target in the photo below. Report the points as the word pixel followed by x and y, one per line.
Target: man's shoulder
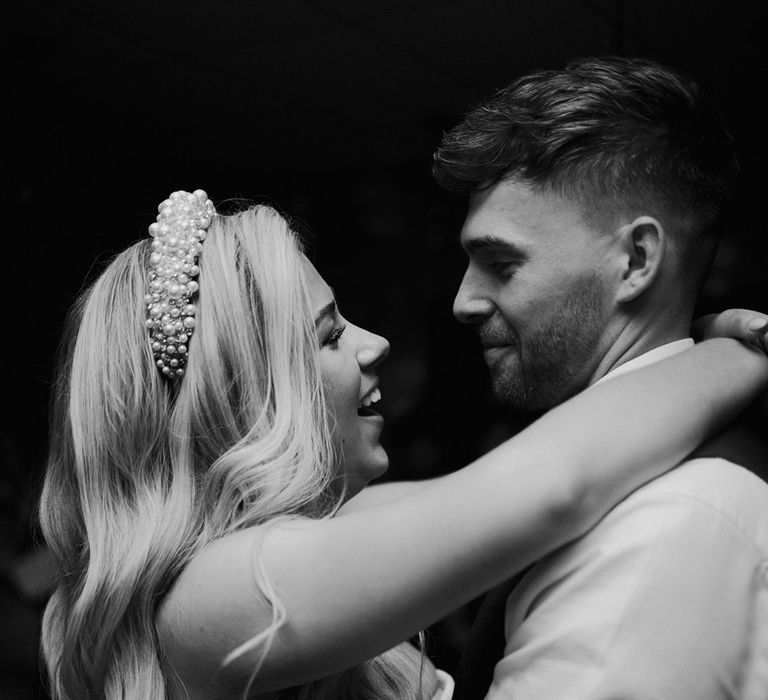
pixel 702 475
pixel 704 499
pixel 705 502
pixel 713 483
pixel 680 526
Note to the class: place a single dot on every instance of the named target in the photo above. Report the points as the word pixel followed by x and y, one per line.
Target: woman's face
pixel 348 358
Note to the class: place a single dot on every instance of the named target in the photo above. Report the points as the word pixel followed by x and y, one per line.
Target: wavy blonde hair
pixel 142 474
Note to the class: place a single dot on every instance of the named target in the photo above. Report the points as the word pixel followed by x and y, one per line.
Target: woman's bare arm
pixel 357 584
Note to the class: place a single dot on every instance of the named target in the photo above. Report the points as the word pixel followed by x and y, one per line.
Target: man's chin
pixel 520 393
pixel 509 389
pixel 530 396
pixel 515 397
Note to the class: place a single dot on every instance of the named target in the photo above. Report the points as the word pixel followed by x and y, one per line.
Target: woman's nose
pixel 372 351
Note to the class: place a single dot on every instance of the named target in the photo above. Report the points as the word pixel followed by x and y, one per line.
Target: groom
pixel 595 196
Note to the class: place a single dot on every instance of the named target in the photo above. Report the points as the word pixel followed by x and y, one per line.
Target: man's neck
pixel 632 343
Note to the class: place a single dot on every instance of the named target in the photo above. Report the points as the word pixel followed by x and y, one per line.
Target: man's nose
pixel 471 304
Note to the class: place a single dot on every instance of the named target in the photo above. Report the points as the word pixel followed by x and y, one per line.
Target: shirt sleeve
pixel 653 604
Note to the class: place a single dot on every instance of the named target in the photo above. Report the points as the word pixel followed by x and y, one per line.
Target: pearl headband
pixel 178 235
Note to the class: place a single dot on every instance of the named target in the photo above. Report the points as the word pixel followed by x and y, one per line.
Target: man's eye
pixel 502 267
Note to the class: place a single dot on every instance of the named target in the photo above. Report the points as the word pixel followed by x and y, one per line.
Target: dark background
pixel 330 110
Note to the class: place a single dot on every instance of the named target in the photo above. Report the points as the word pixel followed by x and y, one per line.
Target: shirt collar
pixel 648 358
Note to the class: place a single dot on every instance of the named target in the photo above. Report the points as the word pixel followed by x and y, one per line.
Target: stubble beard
pixel 555 361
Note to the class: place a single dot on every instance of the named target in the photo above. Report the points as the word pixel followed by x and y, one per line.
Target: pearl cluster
pixel 178 236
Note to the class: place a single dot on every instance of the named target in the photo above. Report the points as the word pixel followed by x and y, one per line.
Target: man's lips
pixel 496 351
pixel 497 342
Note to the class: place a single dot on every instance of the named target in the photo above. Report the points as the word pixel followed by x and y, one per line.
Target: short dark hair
pixel 615 134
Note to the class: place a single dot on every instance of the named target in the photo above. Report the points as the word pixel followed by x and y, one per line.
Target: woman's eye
pixel 333 339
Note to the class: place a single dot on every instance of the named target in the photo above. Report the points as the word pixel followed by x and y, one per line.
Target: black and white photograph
pixel 397 350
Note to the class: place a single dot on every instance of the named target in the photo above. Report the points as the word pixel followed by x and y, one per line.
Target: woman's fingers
pixel 742 324
pixel 759 328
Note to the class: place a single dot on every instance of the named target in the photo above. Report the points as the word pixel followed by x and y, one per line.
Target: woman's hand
pixel 742 324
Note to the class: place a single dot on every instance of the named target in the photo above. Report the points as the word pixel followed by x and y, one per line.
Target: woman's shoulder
pixel 215 605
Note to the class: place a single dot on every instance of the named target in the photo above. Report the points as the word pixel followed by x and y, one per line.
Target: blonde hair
pixel 398 674
pixel 142 474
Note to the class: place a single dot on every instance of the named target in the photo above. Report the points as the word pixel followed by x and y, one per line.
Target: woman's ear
pixel 642 245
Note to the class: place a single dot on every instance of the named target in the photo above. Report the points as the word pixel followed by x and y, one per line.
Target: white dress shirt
pixel 657 602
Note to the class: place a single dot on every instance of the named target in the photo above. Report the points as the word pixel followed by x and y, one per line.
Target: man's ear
pixel 642 245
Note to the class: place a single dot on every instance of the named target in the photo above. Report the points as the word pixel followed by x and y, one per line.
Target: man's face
pixel 537 290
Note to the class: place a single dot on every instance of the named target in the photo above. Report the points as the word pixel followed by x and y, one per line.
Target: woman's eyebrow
pixel 329 310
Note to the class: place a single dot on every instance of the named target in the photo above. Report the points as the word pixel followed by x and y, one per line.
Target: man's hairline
pixel 612 212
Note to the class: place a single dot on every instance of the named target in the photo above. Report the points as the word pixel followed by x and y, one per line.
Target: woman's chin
pixel 379 465
pixel 363 474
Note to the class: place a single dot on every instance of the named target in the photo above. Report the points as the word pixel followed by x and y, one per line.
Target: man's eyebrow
pixel 328 310
pixel 495 243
